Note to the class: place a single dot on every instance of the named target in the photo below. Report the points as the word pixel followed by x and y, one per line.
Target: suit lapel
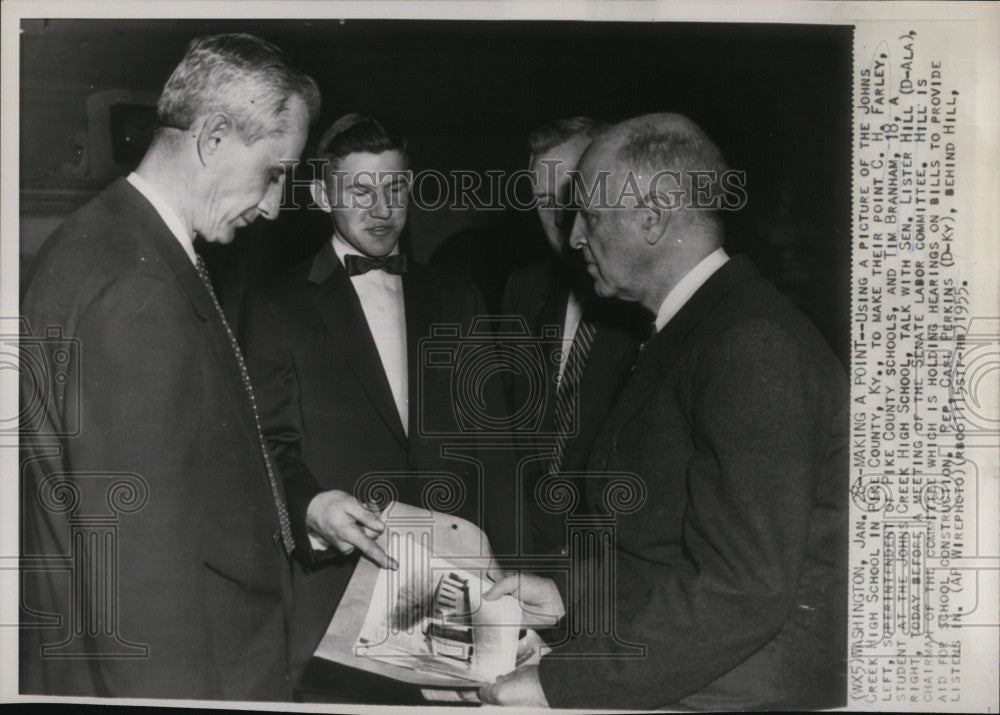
pixel 553 309
pixel 654 362
pixel 339 308
pixel 125 199
pixel 422 303
pixel 552 312
pixel 611 356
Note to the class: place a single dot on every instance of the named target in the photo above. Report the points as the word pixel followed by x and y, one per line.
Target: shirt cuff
pixel 318 542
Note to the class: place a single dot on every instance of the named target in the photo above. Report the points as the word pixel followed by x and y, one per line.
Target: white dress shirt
pixel 167 213
pixel 381 296
pixel 574 312
pixel 688 286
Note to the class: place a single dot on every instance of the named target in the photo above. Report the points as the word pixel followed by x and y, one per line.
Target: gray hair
pixel 241 75
pixel 659 142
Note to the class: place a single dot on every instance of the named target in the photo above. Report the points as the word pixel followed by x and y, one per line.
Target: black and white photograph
pixel 690 320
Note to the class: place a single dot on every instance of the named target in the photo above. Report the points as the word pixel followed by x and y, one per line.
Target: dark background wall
pixel 774 97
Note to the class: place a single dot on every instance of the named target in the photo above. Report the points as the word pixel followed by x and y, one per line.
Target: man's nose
pixel 271 202
pixel 576 237
pixel 381 209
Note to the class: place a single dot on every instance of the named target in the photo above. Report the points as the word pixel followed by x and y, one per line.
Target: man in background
pixel 599 336
pixel 333 347
pixel 730 571
pixel 155 429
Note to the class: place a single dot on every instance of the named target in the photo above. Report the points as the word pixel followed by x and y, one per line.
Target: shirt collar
pixel 342 248
pixel 688 286
pixel 167 213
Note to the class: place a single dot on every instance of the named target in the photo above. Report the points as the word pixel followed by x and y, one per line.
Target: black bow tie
pixel 358 265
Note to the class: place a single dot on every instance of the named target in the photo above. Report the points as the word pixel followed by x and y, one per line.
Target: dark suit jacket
pixel 539 293
pixel 330 419
pixel 202 578
pixel 732 573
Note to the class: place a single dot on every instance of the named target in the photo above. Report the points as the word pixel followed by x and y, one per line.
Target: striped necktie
pixel 279 498
pixel 568 391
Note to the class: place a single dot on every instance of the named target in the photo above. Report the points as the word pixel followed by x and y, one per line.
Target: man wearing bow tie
pixel 333 351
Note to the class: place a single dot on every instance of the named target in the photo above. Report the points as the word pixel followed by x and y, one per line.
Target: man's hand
pixel 520 687
pixel 539 598
pixel 346 524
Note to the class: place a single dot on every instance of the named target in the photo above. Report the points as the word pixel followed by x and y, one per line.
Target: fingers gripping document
pixel 426 622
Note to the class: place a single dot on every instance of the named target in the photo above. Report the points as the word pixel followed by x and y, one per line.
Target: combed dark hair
pixel 559 131
pixel 241 75
pixel 355 133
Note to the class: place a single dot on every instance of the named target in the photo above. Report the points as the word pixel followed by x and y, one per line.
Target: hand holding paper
pixel 540 600
pixel 426 623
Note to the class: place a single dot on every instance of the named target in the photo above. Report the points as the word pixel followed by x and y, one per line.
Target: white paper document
pixel 426 622
pixel 430 615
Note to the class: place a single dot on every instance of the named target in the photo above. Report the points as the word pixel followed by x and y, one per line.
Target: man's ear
pixel 655 221
pixel 317 187
pixel 214 130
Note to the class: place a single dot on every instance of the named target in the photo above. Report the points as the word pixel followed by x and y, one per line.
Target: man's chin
pixel 223 235
pixel 604 291
pixel 600 287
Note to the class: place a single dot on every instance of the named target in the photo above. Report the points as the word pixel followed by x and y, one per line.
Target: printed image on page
pixel 429 615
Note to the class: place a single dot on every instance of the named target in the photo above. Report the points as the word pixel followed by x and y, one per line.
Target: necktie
pixel 357 265
pixel 568 391
pixel 279 499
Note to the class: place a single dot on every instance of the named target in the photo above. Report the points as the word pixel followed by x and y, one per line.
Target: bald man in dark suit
pixel 730 570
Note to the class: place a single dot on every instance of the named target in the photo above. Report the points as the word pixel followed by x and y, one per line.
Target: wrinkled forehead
pixel 599 172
